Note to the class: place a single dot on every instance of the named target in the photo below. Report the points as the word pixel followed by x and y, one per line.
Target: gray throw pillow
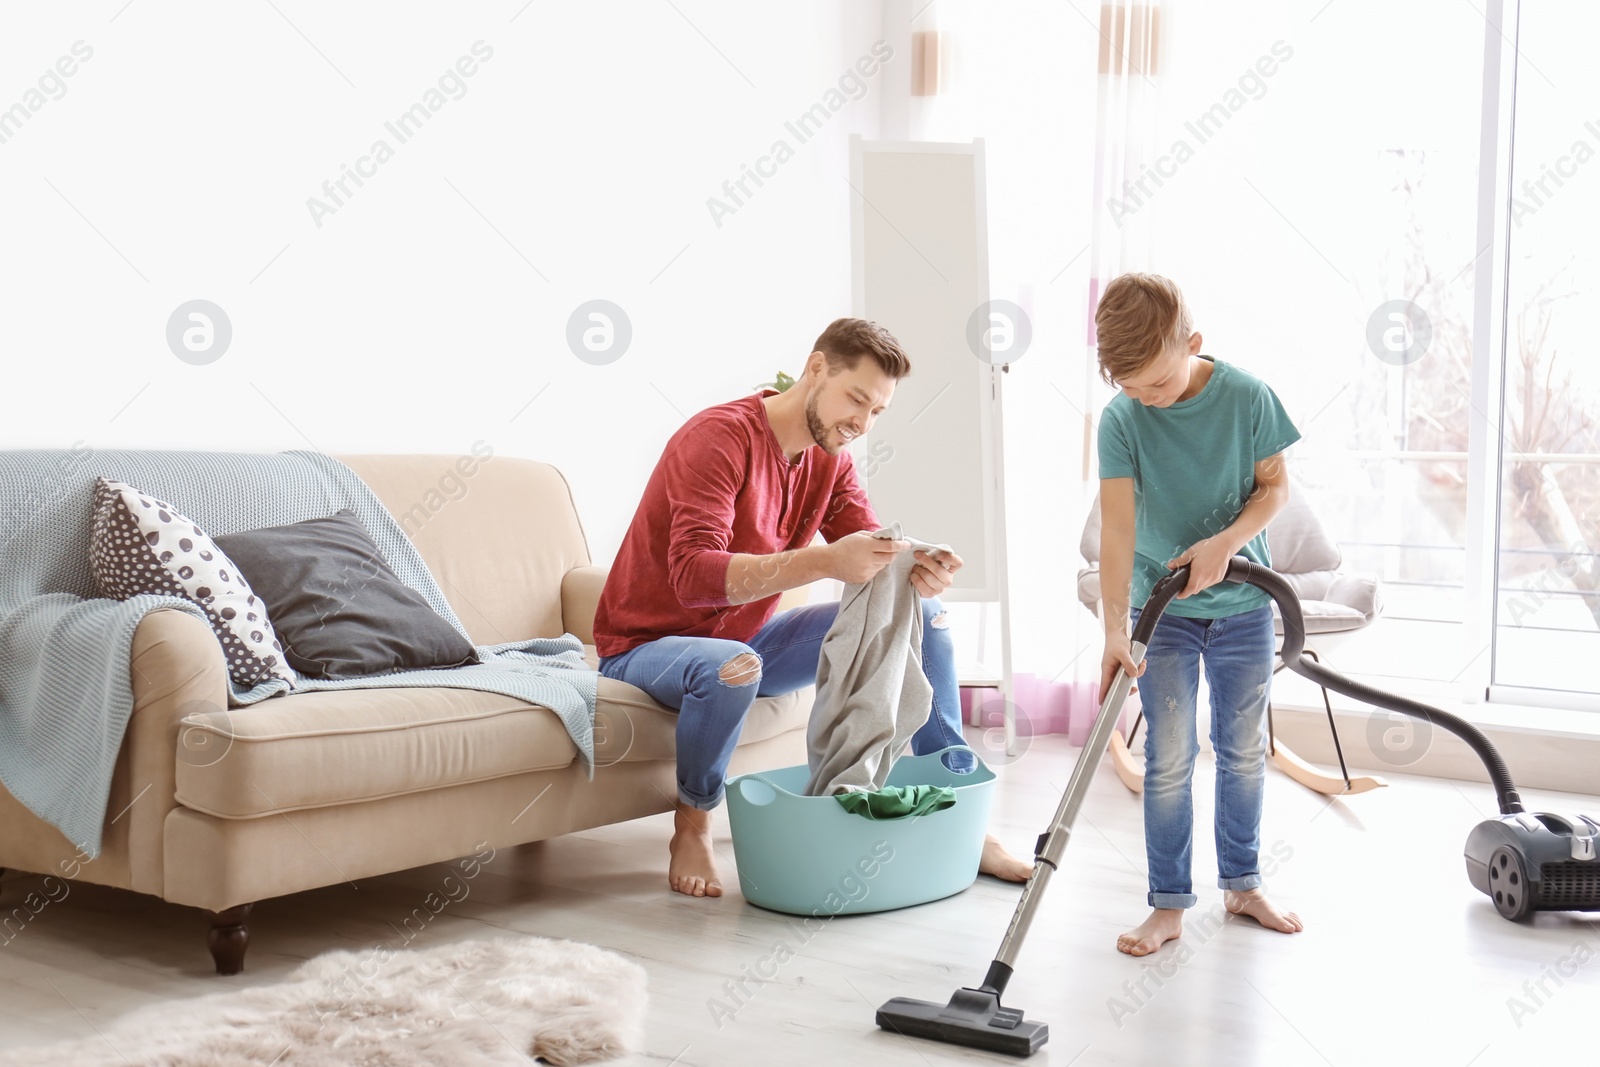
pixel 339 609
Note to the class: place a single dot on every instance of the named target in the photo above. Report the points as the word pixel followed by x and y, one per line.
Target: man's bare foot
pixel 1164 925
pixel 693 870
pixel 1255 904
pixel 1001 864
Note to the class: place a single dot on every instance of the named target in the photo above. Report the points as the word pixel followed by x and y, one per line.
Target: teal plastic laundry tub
pixel 808 856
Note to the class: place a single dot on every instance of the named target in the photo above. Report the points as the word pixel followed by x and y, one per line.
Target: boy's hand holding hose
pixel 1207 561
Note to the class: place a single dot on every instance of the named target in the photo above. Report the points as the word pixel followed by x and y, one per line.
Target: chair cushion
pixel 1324 617
pixel 1297 540
pixel 1310 585
pixel 1361 592
pixel 1332 602
pixel 1089 540
pixel 1089 588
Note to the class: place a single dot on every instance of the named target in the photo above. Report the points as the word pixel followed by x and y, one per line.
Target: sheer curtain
pixel 1065 97
pixel 1130 167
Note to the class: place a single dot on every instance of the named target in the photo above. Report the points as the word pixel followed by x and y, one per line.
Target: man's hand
pixel 858 557
pixel 1208 564
pixel 934 571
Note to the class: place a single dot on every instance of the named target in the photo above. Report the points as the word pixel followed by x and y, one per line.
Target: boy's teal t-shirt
pixel 1193 467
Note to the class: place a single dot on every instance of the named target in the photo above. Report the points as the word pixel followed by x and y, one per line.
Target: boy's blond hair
pixel 1140 316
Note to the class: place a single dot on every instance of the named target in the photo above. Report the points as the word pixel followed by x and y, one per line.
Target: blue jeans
pixel 683 673
pixel 1238 651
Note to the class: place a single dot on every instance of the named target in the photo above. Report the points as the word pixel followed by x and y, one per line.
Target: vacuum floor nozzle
pixel 974 1017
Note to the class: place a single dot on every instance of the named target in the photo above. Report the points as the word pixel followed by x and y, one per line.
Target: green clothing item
pixel 898 801
pixel 1193 468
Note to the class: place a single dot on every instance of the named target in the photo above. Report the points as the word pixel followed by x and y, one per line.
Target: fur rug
pixel 476 1002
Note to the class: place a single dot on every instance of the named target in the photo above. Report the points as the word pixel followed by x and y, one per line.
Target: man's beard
pixel 819 432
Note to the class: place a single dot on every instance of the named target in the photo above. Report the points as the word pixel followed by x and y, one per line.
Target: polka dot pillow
pixel 139 544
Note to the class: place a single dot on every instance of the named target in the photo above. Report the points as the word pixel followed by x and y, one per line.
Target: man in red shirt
pixel 725 526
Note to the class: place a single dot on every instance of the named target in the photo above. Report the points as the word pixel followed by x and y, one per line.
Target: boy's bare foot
pixel 1254 903
pixel 693 870
pixel 1001 864
pixel 1164 925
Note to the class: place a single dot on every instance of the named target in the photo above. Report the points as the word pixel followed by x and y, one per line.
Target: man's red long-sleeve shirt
pixel 722 486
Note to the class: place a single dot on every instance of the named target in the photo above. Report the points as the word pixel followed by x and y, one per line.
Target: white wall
pixel 1022 77
pixel 177 164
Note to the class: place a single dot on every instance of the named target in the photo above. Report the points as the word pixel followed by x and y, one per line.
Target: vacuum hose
pixel 1273 584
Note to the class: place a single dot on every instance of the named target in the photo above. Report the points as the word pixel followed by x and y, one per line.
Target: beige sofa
pixel 217 808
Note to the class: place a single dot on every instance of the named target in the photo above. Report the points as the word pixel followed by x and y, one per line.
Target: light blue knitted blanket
pixel 65 692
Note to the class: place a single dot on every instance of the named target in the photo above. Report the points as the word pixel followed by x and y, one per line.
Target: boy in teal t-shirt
pixel 1191 472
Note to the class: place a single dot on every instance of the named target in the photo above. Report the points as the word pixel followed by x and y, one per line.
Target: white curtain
pixel 1134 39
pixel 1065 98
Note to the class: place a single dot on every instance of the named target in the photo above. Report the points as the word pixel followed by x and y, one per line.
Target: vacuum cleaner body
pixel 1536 861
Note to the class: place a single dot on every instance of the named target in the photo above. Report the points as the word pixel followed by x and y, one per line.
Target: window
pixel 1547 622
pixel 1324 236
pixel 1326 231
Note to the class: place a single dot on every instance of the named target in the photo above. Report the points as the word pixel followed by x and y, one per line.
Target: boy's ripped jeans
pixel 1238 653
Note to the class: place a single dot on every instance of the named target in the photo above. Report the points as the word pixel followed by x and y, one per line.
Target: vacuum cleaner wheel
pixel 1508 884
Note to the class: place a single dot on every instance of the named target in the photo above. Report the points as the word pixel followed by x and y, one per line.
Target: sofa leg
pixel 229 938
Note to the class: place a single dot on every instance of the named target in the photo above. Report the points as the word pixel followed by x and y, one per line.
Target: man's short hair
pixel 846 341
pixel 1140 316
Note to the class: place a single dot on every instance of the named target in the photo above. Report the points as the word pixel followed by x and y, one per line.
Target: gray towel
pixel 872 694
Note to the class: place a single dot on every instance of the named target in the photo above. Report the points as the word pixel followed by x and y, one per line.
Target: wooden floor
pixel 1401 962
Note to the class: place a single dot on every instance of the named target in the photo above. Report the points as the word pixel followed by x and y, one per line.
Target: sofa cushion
pixel 314 750
pixel 139 544
pixel 311 750
pixel 340 611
